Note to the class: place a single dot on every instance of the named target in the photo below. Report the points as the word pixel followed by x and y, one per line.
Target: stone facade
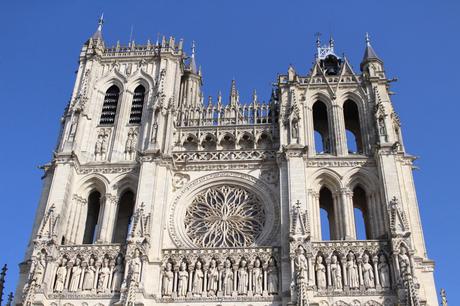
pixel 154 196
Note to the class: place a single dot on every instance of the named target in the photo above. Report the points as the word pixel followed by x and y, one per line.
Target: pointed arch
pixel 321 127
pixel 137 105
pixel 124 216
pixel 190 142
pixel 110 105
pixel 353 131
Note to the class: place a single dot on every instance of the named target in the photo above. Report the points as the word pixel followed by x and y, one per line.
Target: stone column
pixel 375 261
pixel 190 279
pixel 339 232
pixel 250 287
pixel 343 261
pixel 348 214
pixel 328 272
pixel 108 218
pixel 360 272
pixel 338 123
pixel 235 276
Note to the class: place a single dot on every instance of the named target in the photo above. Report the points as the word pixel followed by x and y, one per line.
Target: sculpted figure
pixel 183 280
pixel 118 273
pixel 61 274
pixel 136 266
pixel 198 277
pixel 320 273
pixel 272 277
pixel 368 273
pixel 336 273
pixel 301 264
pixel 243 278
pixel 104 276
pixel 352 272
pixel 227 278
pixel 384 272
pixel 98 147
pixel 88 281
pixel 168 277
pixel 213 277
pixel 39 269
pixel 404 261
pixel 131 142
pixel 76 275
pixel 257 278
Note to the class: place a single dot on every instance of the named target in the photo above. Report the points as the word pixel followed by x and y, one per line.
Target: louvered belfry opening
pixel 109 108
pixel 136 108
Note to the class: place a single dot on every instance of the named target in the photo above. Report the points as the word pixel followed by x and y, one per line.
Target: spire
pixel 98 34
pixel 2 281
pixel 369 52
pixel 192 59
pixel 233 93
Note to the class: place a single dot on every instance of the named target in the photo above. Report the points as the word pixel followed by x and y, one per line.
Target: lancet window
pixel 321 127
pixel 135 116
pixel 124 217
pixel 109 107
pixel 352 127
pixel 92 218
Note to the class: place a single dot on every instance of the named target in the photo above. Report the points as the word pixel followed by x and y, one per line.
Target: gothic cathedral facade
pixel 155 196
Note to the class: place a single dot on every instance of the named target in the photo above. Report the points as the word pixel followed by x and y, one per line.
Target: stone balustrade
pixel 232 273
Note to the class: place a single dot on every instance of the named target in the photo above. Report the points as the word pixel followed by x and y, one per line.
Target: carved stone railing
pixel 349 267
pixel 221 273
pixel 233 155
pixel 85 270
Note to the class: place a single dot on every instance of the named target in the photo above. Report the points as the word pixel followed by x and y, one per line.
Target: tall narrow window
pixel 136 107
pixel 124 217
pixel 109 107
pixel 321 127
pixel 360 209
pixel 92 217
pixel 326 204
pixel 352 127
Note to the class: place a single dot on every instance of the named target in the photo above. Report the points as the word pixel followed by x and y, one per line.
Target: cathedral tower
pixel 154 196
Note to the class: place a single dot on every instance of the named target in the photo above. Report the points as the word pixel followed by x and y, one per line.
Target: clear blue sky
pixel 250 41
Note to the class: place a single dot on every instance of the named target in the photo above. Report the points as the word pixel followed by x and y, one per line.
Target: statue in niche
pixel 88 280
pixel 295 127
pixel 213 278
pixel 336 273
pixel 198 278
pixel 130 147
pixel 257 277
pixel 76 275
pixel 320 269
pixel 61 274
pixel 104 276
pixel 384 272
pixel 243 278
pixel 272 277
pixel 404 261
pixel 352 271
pixel 136 266
pixel 368 273
pixel 301 263
pixel 118 273
pixel 183 280
pixel 38 270
pixel 168 277
pixel 227 278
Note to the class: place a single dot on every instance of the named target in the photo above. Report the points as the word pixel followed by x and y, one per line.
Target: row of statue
pixel 226 278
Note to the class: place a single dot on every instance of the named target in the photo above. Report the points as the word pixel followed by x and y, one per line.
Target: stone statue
pixel 404 262
pixel 243 280
pixel 98 147
pixel 257 278
pixel 183 280
pixel 61 274
pixel 227 278
pixel 368 273
pixel 213 278
pixel 300 263
pixel 272 277
pixel 336 273
pixel 384 272
pixel 76 275
pixel 118 273
pixel 198 278
pixel 168 278
pixel 88 281
pixel 352 272
pixel 295 128
pixel 39 269
pixel 130 147
pixel 136 266
pixel 104 277
pixel 320 273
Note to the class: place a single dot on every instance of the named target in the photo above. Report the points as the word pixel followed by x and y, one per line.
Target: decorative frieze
pixel 234 155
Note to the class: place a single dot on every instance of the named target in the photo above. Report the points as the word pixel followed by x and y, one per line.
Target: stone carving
pixel 272 277
pixel 243 278
pixel 384 272
pixel 301 263
pixel 90 272
pixel 320 269
pixel 443 297
pixel 131 144
pixel 48 226
pixel 104 276
pixel 368 273
pixel 100 149
pixel 168 277
pixel 227 278
pixel 180 179
pixel 257 278
pixel 269 175
pixel 136 267
pixel 183 280
pixel 61 275
pixel 352 271
pixel 336 274
pixel 404 262
pixel 398 222
pixel 243 155
pixel 299 222
pixel 118 273
pixel 225 216
pixel 76 276
pixel 213 278
pixel 198 278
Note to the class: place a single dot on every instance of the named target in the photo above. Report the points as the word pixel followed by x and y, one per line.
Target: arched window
pixel 92 217
pixel 124 216
pixel 321 127
pixel 136 107
pixel 361 214
pixel 352 127
pixel 109 107
pixel 326 205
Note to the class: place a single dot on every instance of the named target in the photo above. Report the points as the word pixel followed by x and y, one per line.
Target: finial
pixel 158 39
pixel 443 297
pixel 254 96
pixel 10 299
pixel 101 22
pixel 368 39
pixel 318 39
pixel 331 42
pixel 193 48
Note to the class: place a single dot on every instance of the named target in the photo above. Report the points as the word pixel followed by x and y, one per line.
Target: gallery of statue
pixel 156 195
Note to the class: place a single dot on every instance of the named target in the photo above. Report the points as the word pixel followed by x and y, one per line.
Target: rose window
pixel 224 216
